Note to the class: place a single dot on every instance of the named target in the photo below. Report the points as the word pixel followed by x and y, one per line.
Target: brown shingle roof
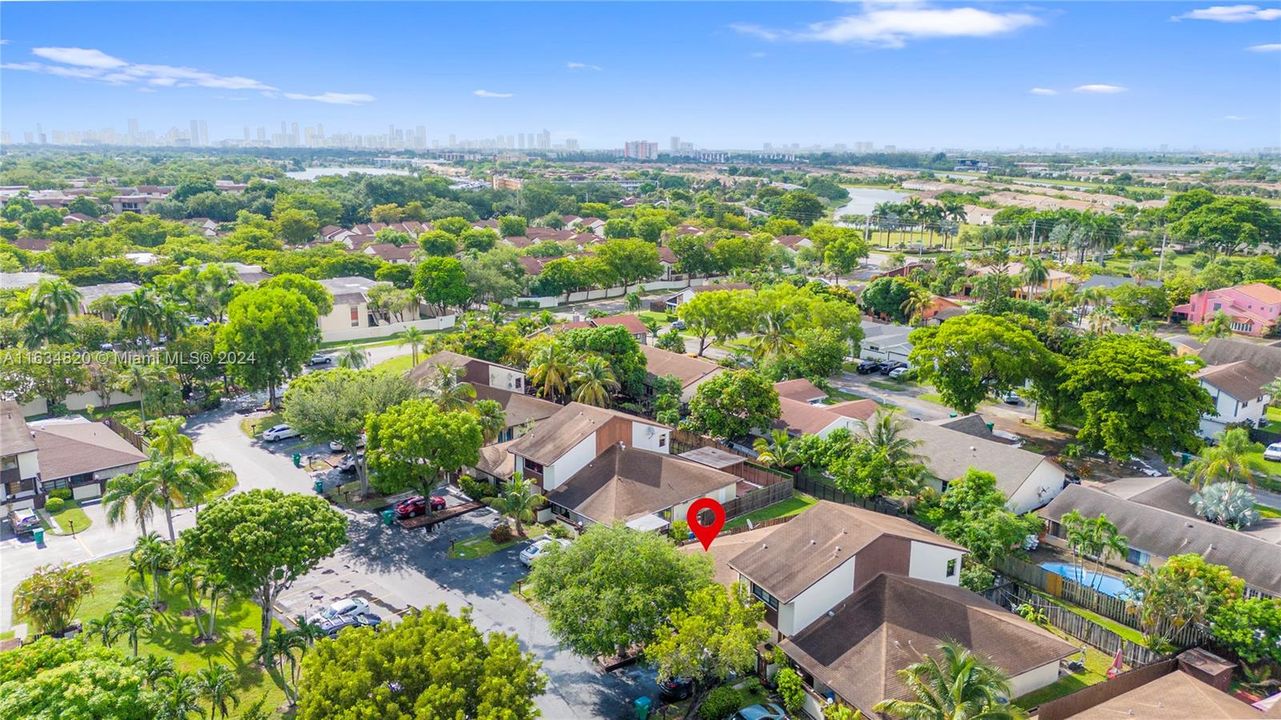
pixel 391 252
pixel 892 621
pixel 799 389
pixel 804 418
pixel 75 448
pixel 497 461
pixel 551 439
pixel 15 436
pixel 1240 379
pixel 949 454
pixel 1221 351
pixel 518 408
pixel 806 549
pixel 631 322
pixel 1175 696
pixel 862 409
pixel 624 483
pixel 688 370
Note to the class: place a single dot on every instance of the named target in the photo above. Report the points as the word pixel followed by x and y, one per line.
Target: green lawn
pixel 1269 467
pixel 661 318
pixel 70 515
pixel 795 505
pixel 1274 420
pixel 237 625
pixel 1268 512
pixel 127 414
pixel 399 364
pixel 222 488
pixel 253 427
pixel 1124 631
pixel 837 395
pixel 479 546
pixel 1096 671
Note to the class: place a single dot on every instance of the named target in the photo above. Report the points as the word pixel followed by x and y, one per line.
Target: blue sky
pixel 913 74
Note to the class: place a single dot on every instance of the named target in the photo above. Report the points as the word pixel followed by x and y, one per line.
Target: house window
pixel 1137 557
pixel 951 568
pixel 760 594
pixel 662 441
pixel 355 316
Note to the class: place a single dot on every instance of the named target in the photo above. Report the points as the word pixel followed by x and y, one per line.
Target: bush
pixel 476 489
pixel 720 703
pixel 54 505
pixel 61 493
pixel 558 530
pixel 679 530
pixel 501 534
pixel 791 688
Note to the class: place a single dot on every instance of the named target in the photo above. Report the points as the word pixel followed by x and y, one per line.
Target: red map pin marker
pixel 705 533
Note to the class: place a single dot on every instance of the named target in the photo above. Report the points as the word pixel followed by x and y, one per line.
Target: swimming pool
pixel 1106 584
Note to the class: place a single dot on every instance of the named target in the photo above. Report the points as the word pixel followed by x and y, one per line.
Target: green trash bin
pixel 319 487
pixel 297 460
pixel 642 707
pixel 388 517
pixel 38 534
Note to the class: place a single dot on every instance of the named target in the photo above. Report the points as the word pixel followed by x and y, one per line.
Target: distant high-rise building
pixel 420 137
pixel 133 131
pixel 195 133
pixel 204 133
pixel 571 143
pixel 545 140
pixel 246 137
pixel 676 143
pixel 640 150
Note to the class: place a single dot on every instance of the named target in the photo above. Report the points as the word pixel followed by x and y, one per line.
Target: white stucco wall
pixel 569 463
pixel 28 464
pixel 844 423
pixel 651 437
pixel 344 331
pixel 506 378
pixel 1043 485
pixel 929 562
pixel 725 494
pixel 819 598
pixel 1034 679
pixel 1228 409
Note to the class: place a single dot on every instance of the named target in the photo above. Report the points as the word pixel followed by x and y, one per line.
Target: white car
pixel 343 608
pixel 279 432
pixel 538 548
pixel 1273 452
pixel 336 446
pixel 897 373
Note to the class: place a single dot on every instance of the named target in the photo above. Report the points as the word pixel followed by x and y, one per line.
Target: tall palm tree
pixel 780 450
pixel 593 381
pixel 492 418
pixel 155 667
pixel 518 500
pixel 216 588
pixel 151 556
pixel 197 475
pixel 918 301
pixel 1229 460
pixel 352 357
pixel 103 628
pixel 1101 320
pixel 414 338
pixel 218 684
pixel 187 577
pixel 167 438
pixel 55 297
pixel 140 377
pixel 775 334
pixel 140 312
pixel 133 617
pixel 549 370
pixel 1034 273
pixel 959 685
pixel 179 695
pixel 446 388
pixel 130 493
pixel 177 481
pixel 887 434
pixel 39 329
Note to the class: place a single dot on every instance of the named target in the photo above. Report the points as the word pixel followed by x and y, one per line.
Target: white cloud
pixel 1043 91
pixel 1235 117
pixel 1099 89
pixel 1265 48
pixel 490 94
pixel 758 54
pixel 582 66
pixel 1231 14
pixel 4 41
pixel 892 25
pixel 334 98
pixel 90 64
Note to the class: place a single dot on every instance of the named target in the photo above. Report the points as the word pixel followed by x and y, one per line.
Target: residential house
pixel 138 200
pixel 1254 308
pixel 22 280
pixel 1221 351
pixel 1173 689
pixel 352 318
pixel 802 418
pixel 1111 282
pixel 521 412
pixel 883 342
pixel 480 373
pixel 566 442
pixel 388 252
pixel 690 371
pixel 81 456
pixel 1240 396
pixel 644 489
pixel 631 322
pixel 1054 280
pixel 91 293
pixel 688 293
pixel 19 459
pixel 31 244
pixel 1156 529
pixel 801 390
pixel 794 242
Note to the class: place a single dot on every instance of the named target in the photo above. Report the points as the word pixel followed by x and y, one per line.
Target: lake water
pixel 313 173
pixel 863 200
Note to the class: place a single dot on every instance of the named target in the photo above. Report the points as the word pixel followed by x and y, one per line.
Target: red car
pixel 419 505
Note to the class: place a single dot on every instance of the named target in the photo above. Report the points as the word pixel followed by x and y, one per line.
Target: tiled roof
pixel 624 483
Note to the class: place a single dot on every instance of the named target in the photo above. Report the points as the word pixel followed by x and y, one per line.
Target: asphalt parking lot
pixel 396 570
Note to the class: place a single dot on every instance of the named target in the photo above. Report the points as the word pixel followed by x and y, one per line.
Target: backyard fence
pixel 684 441
pixel 1094 695
pixel 824 490
pixel 1083 629
pixel 761 497
pixel 126 432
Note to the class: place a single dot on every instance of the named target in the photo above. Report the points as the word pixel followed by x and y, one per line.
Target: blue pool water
pixel 1106 584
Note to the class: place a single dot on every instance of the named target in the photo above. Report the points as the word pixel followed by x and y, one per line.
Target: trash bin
pixel 319 487
pixel 642 707
pixel 38 534
pixel 388 517
pixel 297 460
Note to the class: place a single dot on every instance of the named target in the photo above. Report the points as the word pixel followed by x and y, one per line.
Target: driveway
pixel 397 569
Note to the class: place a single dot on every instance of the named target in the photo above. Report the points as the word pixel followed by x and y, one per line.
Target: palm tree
pixel 1034 273
pixel 1230 460
pixel 139 377
pixel 518 500
pixel 177 481
pixel 103 379
pixel 352 357
pixel 197 475
pixel 283 646
pixel 155 667
pixel 130 493
pixel 134 616
pixel 187 576
pixel 1101 320
pixel 492 418
pixel 167 438
pixel 103 628
pixel 215 587
pixel 140 312
pixel 775 335
pixel 917 302
pixel 887 434
pixel 39 329
pixel 549 369
pixel 55 297
pixel 957 686
pixel 593 381
pixel 779 451
pixel 446 388
pixel 1108 543
pixel 218 684
pixel 1219 326
pixel 151 556
pixel 414 338
pixel 179 696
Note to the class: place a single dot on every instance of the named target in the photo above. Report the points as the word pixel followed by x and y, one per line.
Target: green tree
pixel 446 388
pixel 51 678
pixel 614 588
pixel 550 368
pixel 1136 395
pixel 219 685
pixel 134 616
pixel 712 638
pixel 1233 459
pixel 518 501
pixel 1251 628
pixel 956 684
pixel 50 596
pixel 973 357
pixel 972 512
pixel 430 665
pixel 791 689
pixel 179 696
pixel 131 493
pixel 414 338
pixel 320 297
pixel 271 332
pixel 802 206
pixel 631 260
pixel 593 381
pixel 261 541
pixel 441 281
pixel 717 314
pixel 438 243
pixel 885 297
pixel 511 225
pixel 732 404
pixel 352 357
pixel 297 226
pixel 413 444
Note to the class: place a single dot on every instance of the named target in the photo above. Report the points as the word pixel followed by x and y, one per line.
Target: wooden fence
pixel 1083 629
pixel 759 498
pixel 127 433
pixel 684 441
pixel 1094 695
pixel 824 490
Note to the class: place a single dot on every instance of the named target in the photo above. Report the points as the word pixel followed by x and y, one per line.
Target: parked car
pixel 336 446
pixel 1273 452
pixel 419 505
pixel 319 359
pixel 764 711
pixel 891 366
pixel 1011 398
pixel 341 608
pixel 678 325
pixel 360 619
pixel 538 548
pixel 677 688
pixel 23 520
pixel 279 432
pixel 348 464
pixel 898 373
pixel 867 367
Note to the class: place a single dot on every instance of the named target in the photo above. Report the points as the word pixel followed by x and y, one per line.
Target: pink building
pixel 1254 308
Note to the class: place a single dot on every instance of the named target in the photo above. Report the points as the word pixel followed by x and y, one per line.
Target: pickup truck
pixel 23 520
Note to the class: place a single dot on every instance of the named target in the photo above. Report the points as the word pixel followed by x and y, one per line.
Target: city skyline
pixel 916 75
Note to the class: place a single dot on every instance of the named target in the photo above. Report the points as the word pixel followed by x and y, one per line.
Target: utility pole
pixel 1031 244
pixel 1160 267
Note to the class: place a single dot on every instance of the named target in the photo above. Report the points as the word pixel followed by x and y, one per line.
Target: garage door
pixel 24 504
pixel 85 492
